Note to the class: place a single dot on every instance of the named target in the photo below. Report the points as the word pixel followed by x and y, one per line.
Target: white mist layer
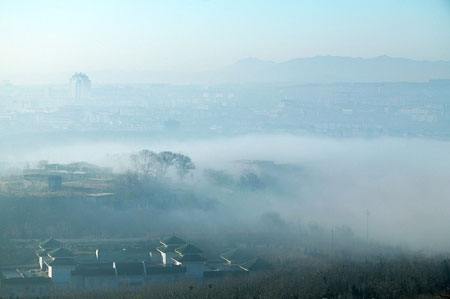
pixel 404 183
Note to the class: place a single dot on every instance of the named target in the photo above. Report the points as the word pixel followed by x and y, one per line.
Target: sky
pixel 194 35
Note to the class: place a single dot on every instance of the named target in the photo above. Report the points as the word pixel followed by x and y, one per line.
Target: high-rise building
pixel 80 86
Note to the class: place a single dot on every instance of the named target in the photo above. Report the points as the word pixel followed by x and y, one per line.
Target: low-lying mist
pixel 403 183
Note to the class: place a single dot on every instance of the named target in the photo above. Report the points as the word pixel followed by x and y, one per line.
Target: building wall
pixel 170 255
pixel 194 269
pixel 41 262
pixel 94 282
pixel 60 274
pixel 166 257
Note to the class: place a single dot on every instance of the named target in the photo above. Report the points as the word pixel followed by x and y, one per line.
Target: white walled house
pixel 60 270
pixel 43 250
pixel 167 248
pixel 191 258
pixel 60 265
pixel 128 265
pixel 194 264
pixel 167 253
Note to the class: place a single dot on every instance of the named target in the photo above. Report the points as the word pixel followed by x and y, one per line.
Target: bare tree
pixel 150 164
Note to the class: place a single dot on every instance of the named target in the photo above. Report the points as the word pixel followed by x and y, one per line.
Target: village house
pixel 192 259
pixel 167 248
pixel 109 268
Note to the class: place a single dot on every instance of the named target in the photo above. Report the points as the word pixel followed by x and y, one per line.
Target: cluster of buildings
pixel 341 109
pixel 61 269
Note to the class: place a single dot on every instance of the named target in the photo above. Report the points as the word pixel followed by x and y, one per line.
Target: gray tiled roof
pixel 173 240
pixel 237 255
pixel 123 256
pixel 50 244
pixel 256 264
pixel 62 262
pixel 168 248
pixel 188 249
pixel 60 252
pixel 189 258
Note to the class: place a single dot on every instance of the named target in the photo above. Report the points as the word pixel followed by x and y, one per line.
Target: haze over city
pixel 225 149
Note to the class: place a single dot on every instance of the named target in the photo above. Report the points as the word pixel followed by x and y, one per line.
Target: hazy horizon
pixel 47 37
pixel 225 149
pixel 298 70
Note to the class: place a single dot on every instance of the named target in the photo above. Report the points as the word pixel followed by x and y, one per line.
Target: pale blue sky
pixel 185 35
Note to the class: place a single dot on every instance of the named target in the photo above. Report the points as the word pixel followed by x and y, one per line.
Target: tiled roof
pixel 123 256
pixel 189 258
pixel 41 252
pixel 173 240
pixel 256 264
pixel 50 244
pixel 237 255
pixel 168 248
pixel 60 252
pixel 61 261
pixel 188 249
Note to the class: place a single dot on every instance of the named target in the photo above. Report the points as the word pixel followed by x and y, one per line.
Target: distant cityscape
pixel 338 109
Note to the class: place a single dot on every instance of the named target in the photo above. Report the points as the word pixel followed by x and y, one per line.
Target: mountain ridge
pixel 303 70
pixel 331 69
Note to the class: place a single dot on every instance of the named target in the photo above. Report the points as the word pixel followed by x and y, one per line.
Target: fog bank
pixel 404 183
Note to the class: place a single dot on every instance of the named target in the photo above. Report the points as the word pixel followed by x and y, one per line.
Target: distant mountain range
pixel 318 69
pixel 330 69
